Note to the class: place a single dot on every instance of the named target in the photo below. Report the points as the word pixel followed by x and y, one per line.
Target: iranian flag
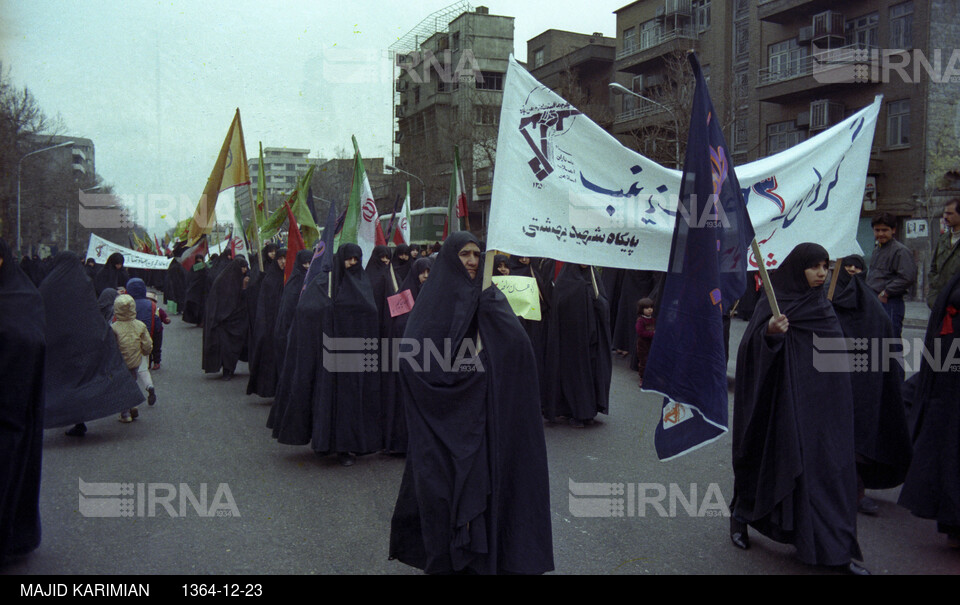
pixel 361 225
pixel 457 205
pixel 402 233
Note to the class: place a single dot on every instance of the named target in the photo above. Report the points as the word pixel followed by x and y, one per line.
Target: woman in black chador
pixel 293 291
pixel 346 417
pixel 475 494
pixel 577 364
pixel 112 274
pixel 225 326
pixel 793 433
pixel 22 350
pixel 195 295
pixel 263 351
pixel 932 487
pixel 882 440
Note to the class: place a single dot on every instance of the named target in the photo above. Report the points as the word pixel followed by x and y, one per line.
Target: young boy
pixel 646 326
pixel 135 343
pixel 160 318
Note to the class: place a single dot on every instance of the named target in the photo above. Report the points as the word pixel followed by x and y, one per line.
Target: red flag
pixel 188 257
pixel 294 244
pixel 380 239
pixel 398 237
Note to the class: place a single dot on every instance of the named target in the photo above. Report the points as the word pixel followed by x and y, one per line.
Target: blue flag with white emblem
pixel 706 274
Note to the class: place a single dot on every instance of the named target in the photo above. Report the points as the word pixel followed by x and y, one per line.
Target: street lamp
pixel 621 89
pixel 65 144
pixel 423 188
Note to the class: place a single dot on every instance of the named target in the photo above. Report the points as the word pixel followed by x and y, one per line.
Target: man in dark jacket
pixel 892 270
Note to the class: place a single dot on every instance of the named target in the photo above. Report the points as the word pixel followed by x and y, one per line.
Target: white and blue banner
pixel 566 189
pixel 100 250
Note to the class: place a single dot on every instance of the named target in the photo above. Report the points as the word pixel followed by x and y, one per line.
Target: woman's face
pixel 470 257
pixel 385 259
pixel 816 274
pixel 350 262
pixel 424 275
pixel 853 269
pixel 503 269
pixel 414 252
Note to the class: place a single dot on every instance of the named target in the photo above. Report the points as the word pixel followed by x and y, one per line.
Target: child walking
pixel 135 345
pixel 645 329
pixel 160 318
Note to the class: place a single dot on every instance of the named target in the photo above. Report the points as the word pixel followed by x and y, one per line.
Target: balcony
pixel 634 58
pixel 633 119
pixel 787 11
pixel 835 68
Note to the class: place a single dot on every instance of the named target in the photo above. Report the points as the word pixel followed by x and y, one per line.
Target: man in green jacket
pixel 946 258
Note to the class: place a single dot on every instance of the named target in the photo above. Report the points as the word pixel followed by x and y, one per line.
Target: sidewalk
pixel 915 320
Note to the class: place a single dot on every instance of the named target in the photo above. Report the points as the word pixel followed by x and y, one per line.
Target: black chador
pixel 292 292
pixel 931 489
pixel 86 377
pixel 110 276
pixel 175 285
pixel 578 368
pixel 22 350
pixel 195 296
pixel 880 421
pixel 263 351
pixel 302 372
pixel 793 437
pixel 225 326
pixel 346 417
pixel 394 419
pixel 475 495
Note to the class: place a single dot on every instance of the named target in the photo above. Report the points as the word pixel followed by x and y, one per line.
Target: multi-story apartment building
pixel 653 37
pixel 449 79
pixel 282 166
pixel 816 62
pixel 579 67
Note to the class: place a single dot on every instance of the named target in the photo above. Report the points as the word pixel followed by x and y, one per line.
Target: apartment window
pixel 487 115
pixel 538 57
pixel 630 39
pixel 444 86
pixel 455 42
pixel 741 9
pixel 740 132
pixel 492 80
pixel 291 167
pixel 898 123
pixel 901 25
pixel 782 135
pixel 785 59
pixel 416 95
pixel 701 14
pixel 649 33
pixel 742 38
pixel 863 30
pixel 741 85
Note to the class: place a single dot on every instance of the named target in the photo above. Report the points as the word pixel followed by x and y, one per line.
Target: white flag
pixel 564 188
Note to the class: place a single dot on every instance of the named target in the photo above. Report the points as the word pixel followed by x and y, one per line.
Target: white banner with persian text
pixel 100 250
pixel 566 189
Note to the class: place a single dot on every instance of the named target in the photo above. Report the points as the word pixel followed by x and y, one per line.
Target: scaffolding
pixel 410 42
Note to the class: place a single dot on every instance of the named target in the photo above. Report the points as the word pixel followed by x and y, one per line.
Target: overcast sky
pixel 155 84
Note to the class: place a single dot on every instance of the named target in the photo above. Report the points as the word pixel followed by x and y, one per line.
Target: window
pixel 785 59
pixel 416 95
pixel 740 132
pixel 742 38
pixel 649 33
pixel 492 80
pixel 782 135
pixel 863 30
pixel 898 123
pixel 741 82
pixel 455 42
pixel 901 25
pixel 701 14
pixel 630 39
pixel 538 58
pixel 444 86
pixel 487 115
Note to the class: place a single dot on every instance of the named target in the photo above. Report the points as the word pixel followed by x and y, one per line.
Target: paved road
pixel 302 514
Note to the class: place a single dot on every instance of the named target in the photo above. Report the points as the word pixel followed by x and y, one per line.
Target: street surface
pixel 303 514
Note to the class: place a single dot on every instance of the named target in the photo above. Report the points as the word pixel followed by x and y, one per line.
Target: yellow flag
pixel 229 171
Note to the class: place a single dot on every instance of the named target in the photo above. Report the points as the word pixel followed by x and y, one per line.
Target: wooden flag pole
pixel 767 286
pixel 593 279
pixel 393 276
pixel 488 268
pixel 836 277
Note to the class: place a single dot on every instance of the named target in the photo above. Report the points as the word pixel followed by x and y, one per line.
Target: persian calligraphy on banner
pixel 564 188
pixel 100 250
pixel 522 293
